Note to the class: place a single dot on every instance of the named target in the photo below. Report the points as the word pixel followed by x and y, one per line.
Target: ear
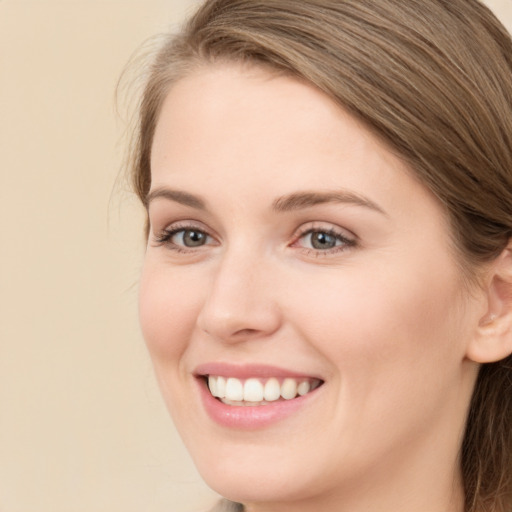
pixel 493 337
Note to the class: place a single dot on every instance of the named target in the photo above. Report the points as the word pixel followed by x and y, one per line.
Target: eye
pixel 183 238
pixel 321 240
pixel 189 238
pixel 325 241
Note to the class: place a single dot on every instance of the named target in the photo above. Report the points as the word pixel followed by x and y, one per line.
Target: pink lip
pixel 251 417
pixel 247 371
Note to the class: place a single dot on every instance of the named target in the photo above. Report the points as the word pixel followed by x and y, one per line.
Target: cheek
pixel 382 330
pixel 168 308
pixel 394 355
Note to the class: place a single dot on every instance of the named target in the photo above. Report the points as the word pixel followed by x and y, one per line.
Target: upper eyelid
pixel 332 228
pixel 185 224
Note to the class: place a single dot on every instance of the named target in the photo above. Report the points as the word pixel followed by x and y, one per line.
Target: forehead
pixel 231 96
pixel 231 131
pixel 255 116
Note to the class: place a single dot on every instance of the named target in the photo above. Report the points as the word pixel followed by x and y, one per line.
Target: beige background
pixel 82 426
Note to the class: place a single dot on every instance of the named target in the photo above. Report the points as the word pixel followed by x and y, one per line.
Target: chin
pixel 256 475
pixel 253 486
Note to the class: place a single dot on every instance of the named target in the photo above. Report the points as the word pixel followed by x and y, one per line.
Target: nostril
pixel 245 332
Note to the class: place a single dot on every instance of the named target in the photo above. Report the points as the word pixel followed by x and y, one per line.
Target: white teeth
pixel 258 391
pixel 212 384
pixel 272 390
pixel 303 388
pixel 234 389
pixel 289 389
pixel 220 388
pixel 253 390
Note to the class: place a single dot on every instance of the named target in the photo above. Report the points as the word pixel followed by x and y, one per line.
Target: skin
pixel 384 320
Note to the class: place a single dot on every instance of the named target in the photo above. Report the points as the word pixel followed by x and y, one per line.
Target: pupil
pixel 323 241
pixel 193 238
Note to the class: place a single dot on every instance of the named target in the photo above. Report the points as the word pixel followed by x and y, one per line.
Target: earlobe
pixel 493 338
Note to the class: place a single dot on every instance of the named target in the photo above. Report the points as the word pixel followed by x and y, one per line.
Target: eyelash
pixel 346 242
pixel 165 237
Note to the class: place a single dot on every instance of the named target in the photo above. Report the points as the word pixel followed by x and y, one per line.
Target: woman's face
pixel 291 254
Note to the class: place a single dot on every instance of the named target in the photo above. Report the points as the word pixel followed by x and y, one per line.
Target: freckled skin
pixel 384 321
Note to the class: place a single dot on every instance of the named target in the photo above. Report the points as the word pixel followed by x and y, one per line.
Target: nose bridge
pixel 239 303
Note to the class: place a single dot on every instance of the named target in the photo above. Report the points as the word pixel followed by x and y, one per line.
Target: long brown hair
pixel 433 79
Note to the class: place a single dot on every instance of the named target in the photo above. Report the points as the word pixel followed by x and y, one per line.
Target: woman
pixel 327 286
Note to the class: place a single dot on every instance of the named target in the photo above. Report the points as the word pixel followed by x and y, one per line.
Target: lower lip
pixel 250 417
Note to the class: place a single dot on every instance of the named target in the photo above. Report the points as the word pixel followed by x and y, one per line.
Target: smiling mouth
pixel 257 391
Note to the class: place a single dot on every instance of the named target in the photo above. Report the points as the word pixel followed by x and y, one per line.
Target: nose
pixel 240 304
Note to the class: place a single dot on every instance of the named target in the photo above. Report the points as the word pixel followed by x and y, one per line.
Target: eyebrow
pixel 178 196
pixel 291 202
pixel 300 200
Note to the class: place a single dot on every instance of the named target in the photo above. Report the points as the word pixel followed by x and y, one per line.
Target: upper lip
pixel 246 371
